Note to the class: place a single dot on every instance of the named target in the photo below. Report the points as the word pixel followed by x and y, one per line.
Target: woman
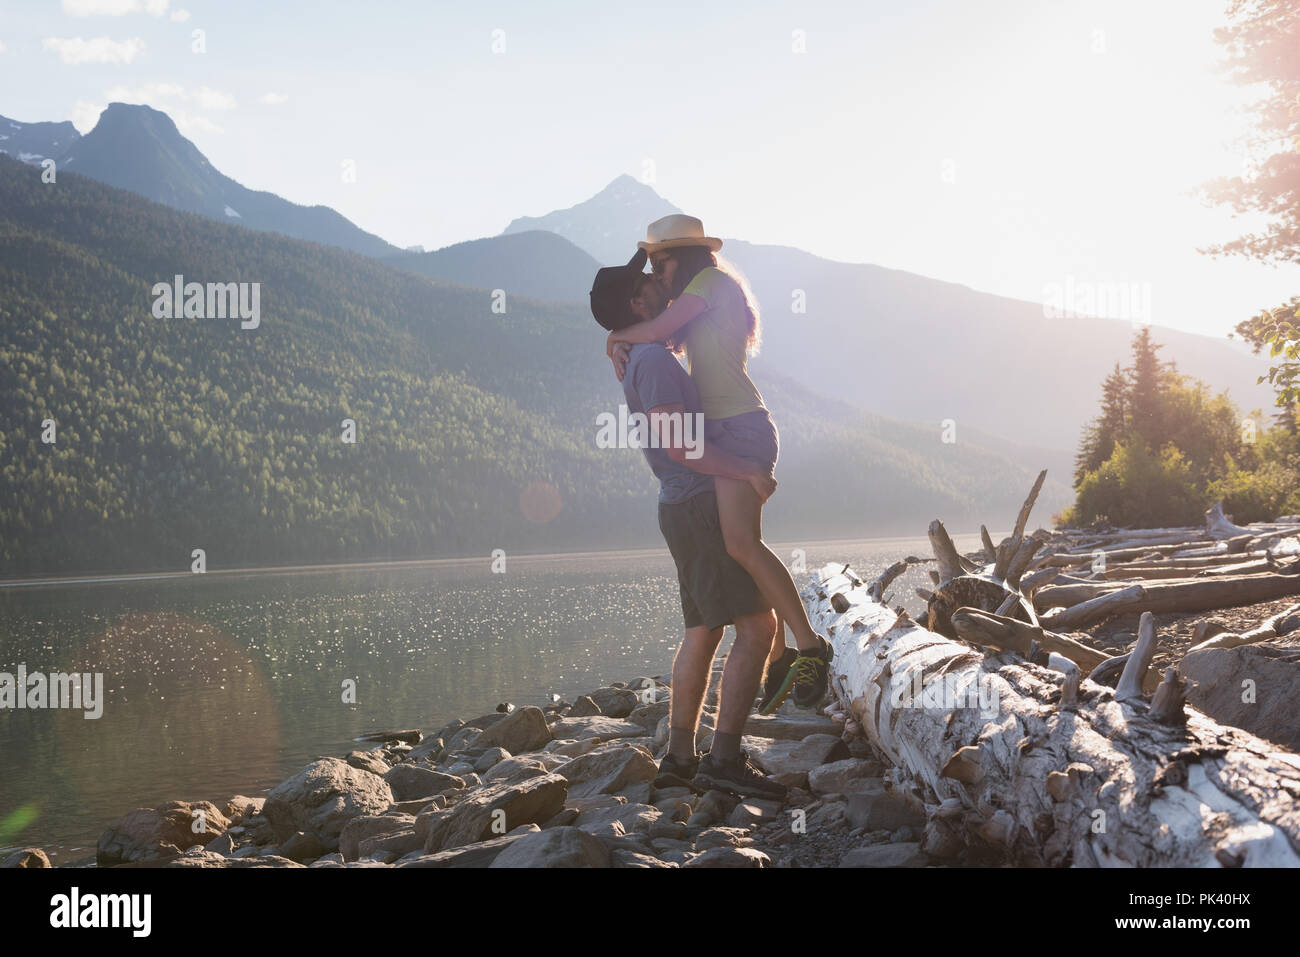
pixel 713 317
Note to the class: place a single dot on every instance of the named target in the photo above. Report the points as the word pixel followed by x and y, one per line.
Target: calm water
pixel 218 685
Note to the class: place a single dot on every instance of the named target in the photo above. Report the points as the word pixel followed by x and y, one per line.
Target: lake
pixel 224 684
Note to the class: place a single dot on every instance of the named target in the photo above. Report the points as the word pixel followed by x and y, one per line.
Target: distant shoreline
pixel 92 578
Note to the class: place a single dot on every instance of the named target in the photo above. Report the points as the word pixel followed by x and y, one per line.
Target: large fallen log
pixel 1002 770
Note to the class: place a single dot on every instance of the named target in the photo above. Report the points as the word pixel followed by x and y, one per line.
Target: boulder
pixel 614 702
pixel 885 855
pixel 557 847
pixel 795 757
pixel 730 857
pixel 632 817
pixel 515 769
pixel 712 808
pixel 584 707
pixel 155 834
pixel 368 761
pixel 321 799
pixel 649 715
pixel 522 730
pixel 624 858
pixel 362 829
pixel 1274 669
pixel 300 847
pixel 491 757
pixel 790 727
pixel 243 807
pixel 844 777
pixel 409 782
pixel 602 728
pixel 751 813
pixel 608 770
pixel 206 859
pixel 876 809
pixel 722 837
pixel 481 854
pixel 575 749
pixel 474 818
pixel 389 847
pixel 28 857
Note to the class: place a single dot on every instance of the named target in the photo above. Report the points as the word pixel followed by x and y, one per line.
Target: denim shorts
pixel 750 435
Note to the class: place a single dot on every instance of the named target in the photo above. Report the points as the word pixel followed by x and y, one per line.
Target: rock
pixel 328 860
pixel 632 817
pixel 428 749
pixel 885 855
pixel 409 782
pixel 712 808
pixel 462 740
pixel 826 817
pixel 877 809
pixel 638 793
pixel 584 707
pixel 485 721
pixel 751 813
pixel 903 835
pixel 790 727
pixel 364 828
pixel 410 737
pixel 322 797
pixel 730 857
pixel 481 854
pixel 566 817
pixel 667 829
pixel 784 756
pixel 389 847
pixel 419 804
pixel 206 859
pixel 517 768
pixel 473 819
pixel 614 702
pixel 368 761
pixel 524 729
pixel 1274 669
pixel 460 769
pixel 558 847
pixel 662 731
pixel 844 777
pixel 491 758
pixel 149 834
pixel 224 844
pixel 574 749
pixel 623 858
pixel 649 715
pixel 27 858
pixel 608 770
pixel 244 807
pixel 302 847
pixel 722 837
pixel 605 729
pixel 505 707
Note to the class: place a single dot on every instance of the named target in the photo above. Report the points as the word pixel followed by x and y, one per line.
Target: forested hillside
pixel 174 434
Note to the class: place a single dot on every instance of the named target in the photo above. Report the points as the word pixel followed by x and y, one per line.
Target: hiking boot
pixel 738 777
pixel 779 681
pixel 811 675
pixel 676 772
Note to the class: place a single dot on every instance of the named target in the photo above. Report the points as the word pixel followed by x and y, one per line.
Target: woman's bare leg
pixel 741 516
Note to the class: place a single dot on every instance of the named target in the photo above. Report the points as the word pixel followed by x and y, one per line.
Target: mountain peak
pixel 608 225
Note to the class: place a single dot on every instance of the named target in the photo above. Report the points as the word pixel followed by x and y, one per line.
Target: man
pixel 715 590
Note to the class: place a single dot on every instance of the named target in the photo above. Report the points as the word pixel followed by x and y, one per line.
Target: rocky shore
pixel 560 786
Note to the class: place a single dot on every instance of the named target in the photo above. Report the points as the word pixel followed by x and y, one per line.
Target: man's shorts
pixel 716 590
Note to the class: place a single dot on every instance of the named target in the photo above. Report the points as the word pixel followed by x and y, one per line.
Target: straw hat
pixel 677 230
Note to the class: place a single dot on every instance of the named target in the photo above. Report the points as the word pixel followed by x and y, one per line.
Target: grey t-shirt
pixel 654 378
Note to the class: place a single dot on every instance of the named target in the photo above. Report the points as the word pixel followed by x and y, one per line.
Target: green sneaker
pixel 779 681
pixel 812 675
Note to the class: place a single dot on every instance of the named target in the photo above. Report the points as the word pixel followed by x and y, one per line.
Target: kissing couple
pixel 696 305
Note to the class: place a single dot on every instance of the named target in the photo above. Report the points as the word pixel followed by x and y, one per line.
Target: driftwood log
pixel 1034 766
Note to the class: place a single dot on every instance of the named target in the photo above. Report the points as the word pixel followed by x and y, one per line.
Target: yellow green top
pixel 715 346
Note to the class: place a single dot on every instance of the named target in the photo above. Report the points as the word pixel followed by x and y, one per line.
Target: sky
pixel 1030 148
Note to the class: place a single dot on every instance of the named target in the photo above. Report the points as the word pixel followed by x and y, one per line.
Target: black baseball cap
pixel 611 293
